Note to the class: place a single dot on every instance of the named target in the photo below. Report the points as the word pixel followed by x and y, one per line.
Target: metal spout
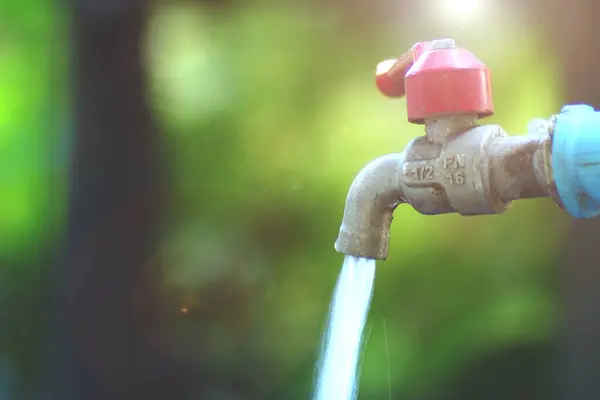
pixel 372 199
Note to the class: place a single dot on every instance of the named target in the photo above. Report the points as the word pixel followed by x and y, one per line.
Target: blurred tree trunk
pixel 114 212
pixel 575 30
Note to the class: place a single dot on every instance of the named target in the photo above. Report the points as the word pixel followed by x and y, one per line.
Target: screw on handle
pixel 389 75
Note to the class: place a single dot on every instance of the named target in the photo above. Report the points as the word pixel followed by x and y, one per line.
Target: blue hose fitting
pixel 576 160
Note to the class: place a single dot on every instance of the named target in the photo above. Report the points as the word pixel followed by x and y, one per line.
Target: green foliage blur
pixel 269 112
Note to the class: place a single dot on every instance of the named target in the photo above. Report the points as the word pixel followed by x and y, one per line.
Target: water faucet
pixel 459 166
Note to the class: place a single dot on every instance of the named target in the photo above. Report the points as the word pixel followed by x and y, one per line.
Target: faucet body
pixel 457 166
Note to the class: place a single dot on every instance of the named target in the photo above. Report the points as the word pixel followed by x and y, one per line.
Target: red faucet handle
pixel 389 75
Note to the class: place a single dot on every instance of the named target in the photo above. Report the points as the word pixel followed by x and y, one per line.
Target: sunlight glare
pixel 460 8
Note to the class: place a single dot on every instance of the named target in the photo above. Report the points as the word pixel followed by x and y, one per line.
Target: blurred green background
pixel 268 111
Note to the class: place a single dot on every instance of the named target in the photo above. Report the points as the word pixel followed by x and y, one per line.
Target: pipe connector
pixel 576 160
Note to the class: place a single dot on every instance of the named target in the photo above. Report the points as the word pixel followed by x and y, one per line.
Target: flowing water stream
pixel 337 369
